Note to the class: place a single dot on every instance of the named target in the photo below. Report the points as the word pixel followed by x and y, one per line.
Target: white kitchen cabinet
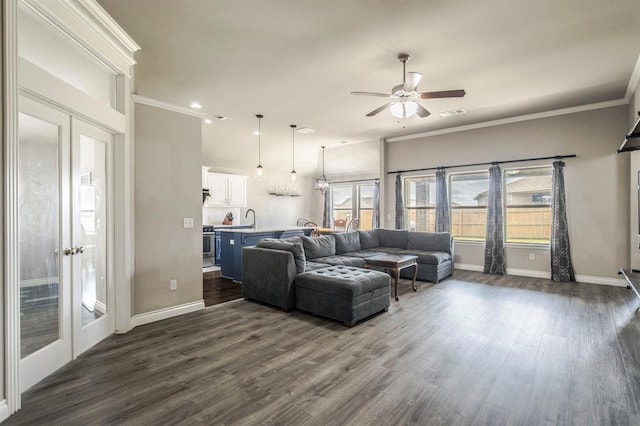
pixel 227 190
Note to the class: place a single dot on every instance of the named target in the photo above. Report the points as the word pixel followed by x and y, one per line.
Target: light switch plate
pixel 187 222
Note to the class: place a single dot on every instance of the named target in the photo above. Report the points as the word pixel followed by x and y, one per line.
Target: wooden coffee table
pixel 395 263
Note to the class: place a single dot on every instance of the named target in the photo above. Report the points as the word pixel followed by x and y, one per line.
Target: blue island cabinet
pixel 233 240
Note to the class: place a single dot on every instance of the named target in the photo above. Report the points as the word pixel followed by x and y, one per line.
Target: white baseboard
pixel 616 282
pixel 160 314
pixel 4 411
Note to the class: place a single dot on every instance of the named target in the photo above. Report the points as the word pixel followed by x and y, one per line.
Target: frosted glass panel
pixel 39 229
pixel 93 236
pixel 45 47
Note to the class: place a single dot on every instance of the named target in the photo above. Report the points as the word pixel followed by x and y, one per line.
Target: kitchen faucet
pixel 254 217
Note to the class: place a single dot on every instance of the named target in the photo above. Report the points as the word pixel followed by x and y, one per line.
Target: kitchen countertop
pixel 266 229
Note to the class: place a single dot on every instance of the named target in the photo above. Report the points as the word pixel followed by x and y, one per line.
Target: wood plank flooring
pixel 471 350
pixel 218 290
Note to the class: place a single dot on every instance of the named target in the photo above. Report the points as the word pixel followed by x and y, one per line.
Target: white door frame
pixel 86 23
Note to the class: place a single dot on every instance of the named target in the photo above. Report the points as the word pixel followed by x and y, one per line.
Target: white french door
pixel 65 222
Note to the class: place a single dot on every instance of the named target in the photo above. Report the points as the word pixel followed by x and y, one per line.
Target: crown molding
pixel 517 119
pixel 109 24
pixel 634 80
pixel 166 106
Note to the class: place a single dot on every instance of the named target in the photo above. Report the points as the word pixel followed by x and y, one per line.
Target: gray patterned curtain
pixel 399 204
pixel 443 222
pixel 494 241
pixel 375 220
pixel 326 214
pixel 561 268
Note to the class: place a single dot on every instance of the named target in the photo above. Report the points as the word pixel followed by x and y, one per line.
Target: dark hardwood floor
pixel 471 350
pixel 218 290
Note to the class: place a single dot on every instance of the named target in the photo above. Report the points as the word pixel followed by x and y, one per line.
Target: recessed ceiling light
pixel 256 133
pixel 304 130
pixel 222 118
pixel 195 105
pixel 341 143
pixel 452 112
pixel 208 121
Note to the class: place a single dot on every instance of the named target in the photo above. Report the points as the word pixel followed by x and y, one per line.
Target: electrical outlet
pixel 187 222
pixel 231 242
pixel 532 256
pixel 173 285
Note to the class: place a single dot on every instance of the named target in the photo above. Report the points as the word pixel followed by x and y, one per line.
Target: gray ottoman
pixel 343 293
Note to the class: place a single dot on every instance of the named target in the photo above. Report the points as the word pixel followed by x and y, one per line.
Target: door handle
pixel 79 249
pixel 69 251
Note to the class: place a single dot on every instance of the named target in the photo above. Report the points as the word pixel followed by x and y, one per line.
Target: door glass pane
pixel 342 206
pixel 39 233
pixel 365 204
pixel 93 220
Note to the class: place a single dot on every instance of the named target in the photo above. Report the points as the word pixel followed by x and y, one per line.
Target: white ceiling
pixel 297 61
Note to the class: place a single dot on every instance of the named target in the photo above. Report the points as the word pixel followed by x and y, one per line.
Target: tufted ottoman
pixel 343 293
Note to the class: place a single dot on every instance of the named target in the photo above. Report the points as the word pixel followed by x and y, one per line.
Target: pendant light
pixel 294 177
pixel 322 184
pixel 259 173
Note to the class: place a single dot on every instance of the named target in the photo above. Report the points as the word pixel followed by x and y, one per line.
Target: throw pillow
pixel 322 246
pixel 347 242
pixel 294 247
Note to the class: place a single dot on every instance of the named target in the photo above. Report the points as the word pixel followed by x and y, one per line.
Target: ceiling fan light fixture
pixel 404 109
pixel 258 174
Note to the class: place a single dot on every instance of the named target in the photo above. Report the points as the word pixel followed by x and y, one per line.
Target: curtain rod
pixel 555 157
pixel 353 181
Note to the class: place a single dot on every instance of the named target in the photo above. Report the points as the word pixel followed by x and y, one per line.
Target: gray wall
pixel 168 181
pixel 597 182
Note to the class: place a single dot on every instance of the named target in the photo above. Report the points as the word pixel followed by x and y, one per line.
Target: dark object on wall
pixel 632 139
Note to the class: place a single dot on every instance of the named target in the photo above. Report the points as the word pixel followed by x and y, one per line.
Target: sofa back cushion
pixel 295 247
pixel 347 242
pixel 397 238
pixel 368 239
pixel 322 246
pixel 430 241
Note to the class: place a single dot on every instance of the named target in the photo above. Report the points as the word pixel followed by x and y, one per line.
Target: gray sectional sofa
pixel 326 276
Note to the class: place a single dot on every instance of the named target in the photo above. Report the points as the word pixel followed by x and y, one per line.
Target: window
pixel 420 203
pixel 345 209
pixel 468 195
pixel 528 205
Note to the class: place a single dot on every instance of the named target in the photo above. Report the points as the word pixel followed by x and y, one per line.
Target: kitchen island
pixel 233 240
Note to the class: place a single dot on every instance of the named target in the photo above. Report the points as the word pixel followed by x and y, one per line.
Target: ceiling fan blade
pixel 443 94
pixel 411 81
pixel 380 109
pixel 381 95
pixel 422 111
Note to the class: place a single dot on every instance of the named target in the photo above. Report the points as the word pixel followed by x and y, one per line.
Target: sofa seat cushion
pixel 341 260
pixel 363 253
pixel 347 242
pixel 344 281
pixel 391 250
pixel 430 257
pixel 322 246
pixel 312 266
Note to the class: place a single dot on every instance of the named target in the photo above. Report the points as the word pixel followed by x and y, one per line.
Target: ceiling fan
pixel 404 96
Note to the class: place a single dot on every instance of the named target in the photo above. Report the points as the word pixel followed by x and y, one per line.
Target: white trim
pixel 468 267
pixel 11 209
pixel 166 106
pixel 587 279
pixel 526 117
pixel 75 21
pixel 39 85
pixel 529 273
pixel 164 313
pixel 616 282
pixel 633 81
pixel 4 410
